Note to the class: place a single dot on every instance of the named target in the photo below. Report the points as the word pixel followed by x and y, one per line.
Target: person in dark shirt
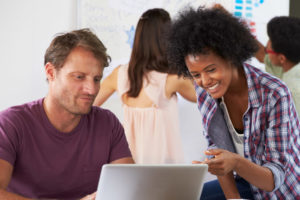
pixel 54 147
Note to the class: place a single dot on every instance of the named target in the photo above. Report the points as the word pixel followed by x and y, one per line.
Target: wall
pixel 295 8
pixel 27 27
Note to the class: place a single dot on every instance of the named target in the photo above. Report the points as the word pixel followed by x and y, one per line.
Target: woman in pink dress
pixel 148 91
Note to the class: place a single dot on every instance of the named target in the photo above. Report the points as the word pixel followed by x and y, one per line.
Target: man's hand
pixel 89 197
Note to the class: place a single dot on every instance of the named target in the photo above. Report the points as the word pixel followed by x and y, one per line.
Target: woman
pixel 249 116
pixel 147 89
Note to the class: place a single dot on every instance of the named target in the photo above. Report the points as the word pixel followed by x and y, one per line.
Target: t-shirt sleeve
pixel 119 145
pixel 8 137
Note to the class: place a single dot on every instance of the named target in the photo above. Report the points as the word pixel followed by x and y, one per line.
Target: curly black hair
pixel 201 31
pixel 284 34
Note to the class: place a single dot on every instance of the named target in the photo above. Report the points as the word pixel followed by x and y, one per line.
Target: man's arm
pixel 127 160
pixel 6 170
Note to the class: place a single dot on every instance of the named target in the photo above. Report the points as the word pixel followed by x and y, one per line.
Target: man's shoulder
pixel 22 110
pixel 96 110
pixel 102 114
pixel 102 119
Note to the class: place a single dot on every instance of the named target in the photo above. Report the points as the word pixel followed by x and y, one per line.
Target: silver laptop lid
pixel 151 182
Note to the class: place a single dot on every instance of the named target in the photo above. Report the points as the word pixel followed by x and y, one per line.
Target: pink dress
pixel 153 132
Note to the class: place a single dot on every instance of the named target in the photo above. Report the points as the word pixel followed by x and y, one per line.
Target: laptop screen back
pixel 151 182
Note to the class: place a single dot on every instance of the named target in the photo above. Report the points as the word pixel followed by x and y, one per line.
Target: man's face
pixel 274 56
pixel 75 86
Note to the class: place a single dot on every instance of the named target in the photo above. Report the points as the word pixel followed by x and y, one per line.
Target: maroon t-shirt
pixel 51 164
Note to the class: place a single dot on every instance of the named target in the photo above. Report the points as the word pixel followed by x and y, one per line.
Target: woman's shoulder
pixel 263 84
pixel 264 79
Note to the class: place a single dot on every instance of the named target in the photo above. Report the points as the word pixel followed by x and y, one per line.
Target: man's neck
pixel 287 66
pixel 59 117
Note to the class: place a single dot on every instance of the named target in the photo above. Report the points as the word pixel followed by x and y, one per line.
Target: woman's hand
pixel 222 163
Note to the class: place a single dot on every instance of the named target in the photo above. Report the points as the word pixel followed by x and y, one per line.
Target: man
pixel 281 56
pixel 55 147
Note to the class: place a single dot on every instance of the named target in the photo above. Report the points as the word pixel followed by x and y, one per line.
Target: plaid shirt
pixel 271 131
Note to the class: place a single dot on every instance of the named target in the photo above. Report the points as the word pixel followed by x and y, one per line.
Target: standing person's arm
pixel 107 87
pixel 184 86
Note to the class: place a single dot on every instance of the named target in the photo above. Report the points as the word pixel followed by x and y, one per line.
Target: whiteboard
pixel 114 21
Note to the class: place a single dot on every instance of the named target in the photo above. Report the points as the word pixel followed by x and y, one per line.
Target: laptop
pixel 151 182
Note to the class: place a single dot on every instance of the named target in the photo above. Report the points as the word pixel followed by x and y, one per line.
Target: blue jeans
pixel 213 191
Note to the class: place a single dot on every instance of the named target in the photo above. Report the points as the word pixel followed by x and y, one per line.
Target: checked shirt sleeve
pixel 278 136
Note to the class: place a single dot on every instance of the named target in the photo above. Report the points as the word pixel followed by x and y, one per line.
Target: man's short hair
pixel 284 34
pixel 64 43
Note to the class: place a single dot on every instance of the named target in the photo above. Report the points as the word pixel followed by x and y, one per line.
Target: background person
pixel 281 55
pixel 147 89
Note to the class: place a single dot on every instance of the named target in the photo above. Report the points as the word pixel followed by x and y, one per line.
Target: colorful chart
pixel 114 21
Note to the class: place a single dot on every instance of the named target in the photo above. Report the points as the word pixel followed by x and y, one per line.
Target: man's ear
pixel 282 58
pixel 50 71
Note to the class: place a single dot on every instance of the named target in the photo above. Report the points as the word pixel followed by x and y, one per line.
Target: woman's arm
pixel 225 162
pixel 259 176
pixel 107 87
pixel 228 186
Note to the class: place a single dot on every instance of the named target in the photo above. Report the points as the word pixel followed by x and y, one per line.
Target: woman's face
pixel 211 72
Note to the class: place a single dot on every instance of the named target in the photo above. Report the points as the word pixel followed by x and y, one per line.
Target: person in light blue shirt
pixel 281 55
